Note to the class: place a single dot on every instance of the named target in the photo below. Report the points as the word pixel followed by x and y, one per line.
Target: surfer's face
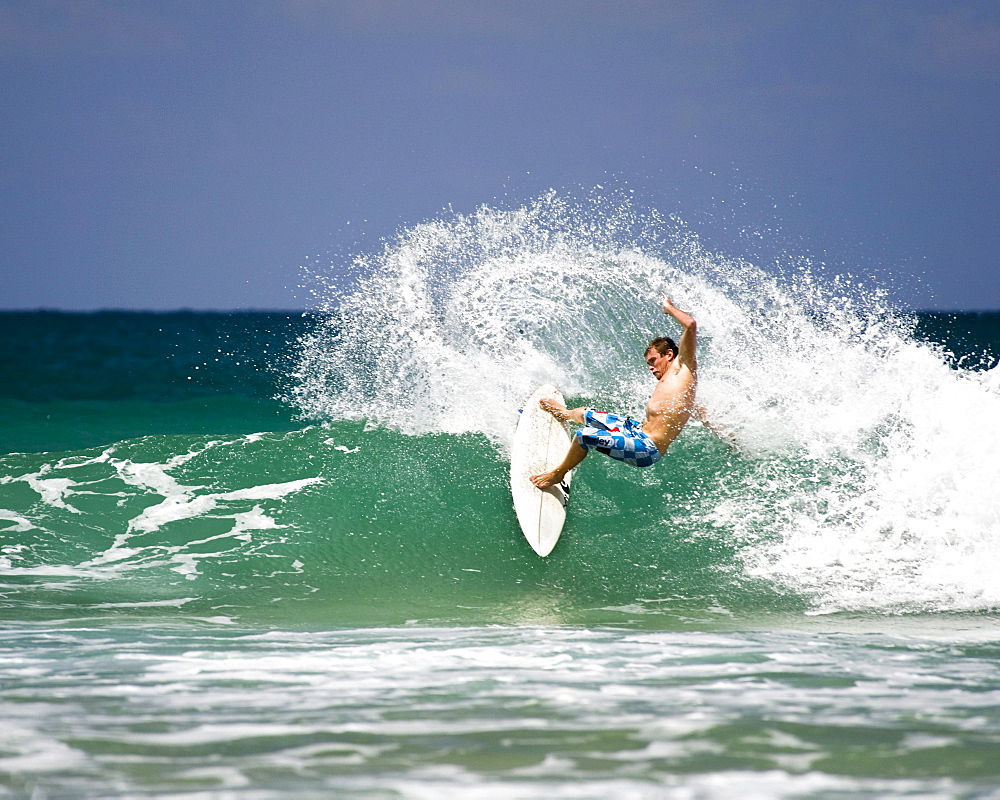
pixel 656 363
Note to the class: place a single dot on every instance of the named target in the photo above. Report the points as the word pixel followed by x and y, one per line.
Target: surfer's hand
pixel 682 317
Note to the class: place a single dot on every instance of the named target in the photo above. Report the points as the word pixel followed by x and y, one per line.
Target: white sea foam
pixel 183 504
pixel 142 481
pixel 20 523
pixel 22 750
pixel 53 491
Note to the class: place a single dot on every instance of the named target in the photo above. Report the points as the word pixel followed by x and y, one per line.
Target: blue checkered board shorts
pixel 619 438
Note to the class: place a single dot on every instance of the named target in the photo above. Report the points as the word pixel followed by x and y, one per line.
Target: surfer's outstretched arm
pixel 715 427
pixel 687 347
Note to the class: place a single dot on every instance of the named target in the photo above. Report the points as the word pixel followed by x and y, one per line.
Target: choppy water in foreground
pixel 208 592
pixel 507 711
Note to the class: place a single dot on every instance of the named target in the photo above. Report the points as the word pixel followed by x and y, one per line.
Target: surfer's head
pixel 663 345
pixel 660 352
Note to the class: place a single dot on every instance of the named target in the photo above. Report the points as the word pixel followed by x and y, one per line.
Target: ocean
pixel 273 555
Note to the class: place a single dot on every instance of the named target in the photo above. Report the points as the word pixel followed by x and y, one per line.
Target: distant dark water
pixel 972 339
pixel 72 380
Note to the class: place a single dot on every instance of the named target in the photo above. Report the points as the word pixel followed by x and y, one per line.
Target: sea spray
pixel 458 319
pixel 867 463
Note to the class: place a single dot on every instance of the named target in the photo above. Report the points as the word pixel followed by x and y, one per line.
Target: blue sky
pixel 160 154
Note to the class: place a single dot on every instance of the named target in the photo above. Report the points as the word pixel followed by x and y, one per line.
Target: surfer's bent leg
pixel 574 456
pixel 576 453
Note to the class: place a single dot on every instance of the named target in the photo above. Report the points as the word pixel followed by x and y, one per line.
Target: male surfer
pixel 671 405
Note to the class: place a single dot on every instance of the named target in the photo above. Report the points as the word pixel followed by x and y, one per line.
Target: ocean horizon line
pixel 165 311
pixel 319 312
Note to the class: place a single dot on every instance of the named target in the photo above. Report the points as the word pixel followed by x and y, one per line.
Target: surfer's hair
pixel 663 345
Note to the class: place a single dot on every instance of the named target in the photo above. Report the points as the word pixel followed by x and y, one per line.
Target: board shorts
pixel 620 438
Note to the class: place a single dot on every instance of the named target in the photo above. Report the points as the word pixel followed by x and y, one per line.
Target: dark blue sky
pixel 194 154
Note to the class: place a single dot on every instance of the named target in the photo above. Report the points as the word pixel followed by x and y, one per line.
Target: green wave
pixel 339 525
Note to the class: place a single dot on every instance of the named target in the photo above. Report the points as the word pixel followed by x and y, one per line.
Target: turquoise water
pixel 274 555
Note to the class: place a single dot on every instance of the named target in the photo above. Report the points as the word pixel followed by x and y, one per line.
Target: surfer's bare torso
pixel 673 400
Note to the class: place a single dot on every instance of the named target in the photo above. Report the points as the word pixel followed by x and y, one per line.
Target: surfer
pixel 671 405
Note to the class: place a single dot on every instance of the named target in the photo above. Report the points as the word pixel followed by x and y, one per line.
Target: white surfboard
pixel 540 444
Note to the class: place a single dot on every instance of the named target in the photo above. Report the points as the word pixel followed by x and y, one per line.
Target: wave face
pixel 862 478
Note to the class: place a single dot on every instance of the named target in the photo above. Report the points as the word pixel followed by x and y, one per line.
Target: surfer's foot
pixel 555 408
pixel 547 479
